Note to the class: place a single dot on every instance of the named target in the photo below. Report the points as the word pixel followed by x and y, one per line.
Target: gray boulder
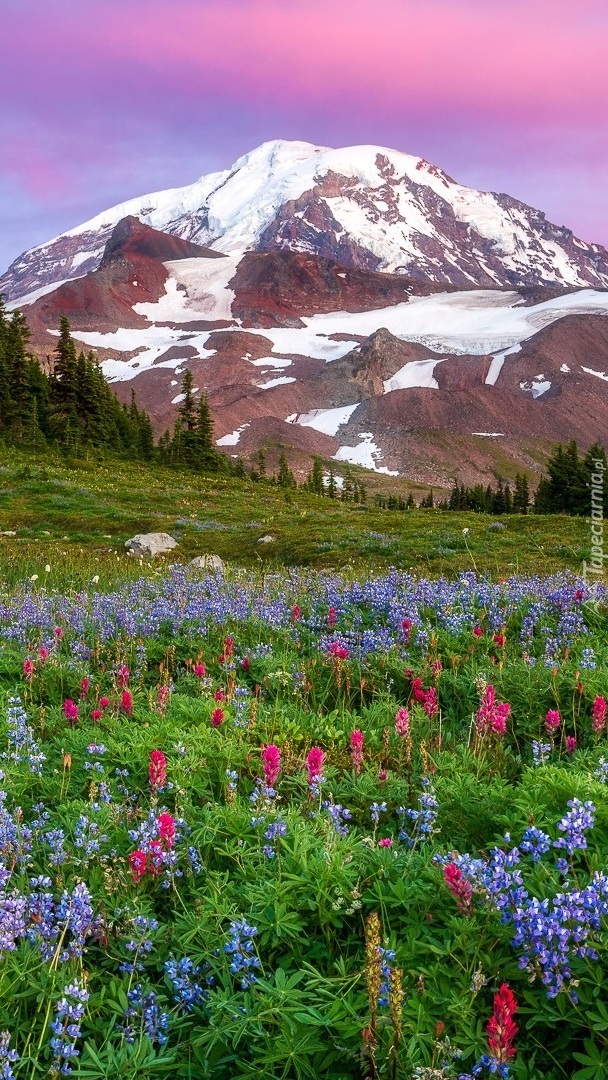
pixel 146 545
pixel 207 562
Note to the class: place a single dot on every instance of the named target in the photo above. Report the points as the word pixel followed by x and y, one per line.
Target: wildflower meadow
pixel 298 824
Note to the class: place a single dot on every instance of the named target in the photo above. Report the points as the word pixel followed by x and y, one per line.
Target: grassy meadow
pixel 340 812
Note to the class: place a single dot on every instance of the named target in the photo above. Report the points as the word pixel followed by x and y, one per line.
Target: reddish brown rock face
pixel 279 288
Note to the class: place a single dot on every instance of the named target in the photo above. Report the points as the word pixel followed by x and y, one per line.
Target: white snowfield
pixel 366 453
pixel 328 421
pixel 230 210
pixel 482 322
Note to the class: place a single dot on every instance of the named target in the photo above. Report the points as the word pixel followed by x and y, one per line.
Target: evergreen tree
pixel 315 478
pixel 521 497
pixel 285 478
pixel 64 384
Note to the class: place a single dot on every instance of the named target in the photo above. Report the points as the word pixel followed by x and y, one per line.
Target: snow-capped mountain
pixel 365 207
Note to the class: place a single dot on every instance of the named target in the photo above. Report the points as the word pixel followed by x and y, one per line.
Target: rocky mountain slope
pixel 421 379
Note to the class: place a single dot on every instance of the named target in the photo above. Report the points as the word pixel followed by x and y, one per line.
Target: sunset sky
pixel 103 100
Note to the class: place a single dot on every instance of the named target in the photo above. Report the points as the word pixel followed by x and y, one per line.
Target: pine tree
pixel 285 478
pixel 315 478
pixel 521 498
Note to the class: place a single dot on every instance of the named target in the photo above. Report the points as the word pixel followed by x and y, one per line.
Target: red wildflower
pixel 402 722
pixel 460 888
pixel 29 668
pixel 332 616
pixel 314 763
pixel 166 829
pixel 385 842
pixel 570 744
pixel 58 632
pixel 200 671
pixel 219 695
pixel 217 717
pixel 418 690
pixel 337 651
pixel 43 654
pixel 598 715
pixel 296 612
pixel 552 721
pixel 123 675
pixel 406 626
pixel 271 761
pixel 96 714
pixel 500 640
pixel 84 687
pixel 382 776
pixel 492 715
pixel 357 739
pixel 70 711
pixel 501 1028
pixel 138 862
pixel 245 663
pixel 478 631
pixel 228 646
pixel 126 702
pixel 155 857
pixel 157 769
pixel 162 698
pixel 104 702
pixel 430 703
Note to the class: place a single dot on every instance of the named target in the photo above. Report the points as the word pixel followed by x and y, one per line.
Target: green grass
pixel 75 517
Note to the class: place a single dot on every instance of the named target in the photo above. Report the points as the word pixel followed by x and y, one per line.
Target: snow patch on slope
pixel 366 454
pixel 416 373
pixel 328 421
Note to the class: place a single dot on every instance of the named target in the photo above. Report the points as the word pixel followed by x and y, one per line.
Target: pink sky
pixel 106 100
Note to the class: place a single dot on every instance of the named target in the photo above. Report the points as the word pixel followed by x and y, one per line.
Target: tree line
pixel 70 404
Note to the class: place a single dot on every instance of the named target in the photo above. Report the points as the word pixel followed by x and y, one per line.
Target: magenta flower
pixel 166 829
pixel 138 863
pixel 552 721
pixel 402 722
pixel 357 739
pixel 570 744
pixel 217 717
pixel 460 888
pixel 122 676
pixel 314 764
pixel 492 715
pixel 430 703
pixel 598 715
pixel 70 711
pixel 157 769
pixel 271 761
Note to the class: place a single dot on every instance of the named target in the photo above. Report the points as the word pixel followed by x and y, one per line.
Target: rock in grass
pixel 146 545
pixel 207 562
pixel 266 539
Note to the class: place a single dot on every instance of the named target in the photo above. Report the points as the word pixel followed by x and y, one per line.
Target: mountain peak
pixel 366 207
